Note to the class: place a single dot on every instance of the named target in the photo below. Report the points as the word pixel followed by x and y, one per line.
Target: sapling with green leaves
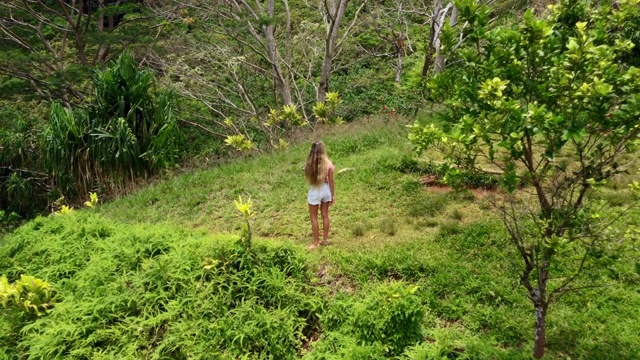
pixel 553 104
pixel 325 111
pixel 246 209
pixel 93 200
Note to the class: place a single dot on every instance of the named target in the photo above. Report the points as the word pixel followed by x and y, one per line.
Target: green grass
pixel 159 274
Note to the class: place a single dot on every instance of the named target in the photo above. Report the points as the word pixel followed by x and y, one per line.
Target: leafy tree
pixel 333 13
pixel 554 104
pixel 53 44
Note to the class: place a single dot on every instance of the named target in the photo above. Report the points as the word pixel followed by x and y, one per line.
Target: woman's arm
pixel 332 187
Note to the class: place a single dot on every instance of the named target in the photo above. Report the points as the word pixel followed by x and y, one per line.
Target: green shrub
pixel 388 226
pixel 338 346
pixel 133 291
pixel 129 130
pixel 8 221
pixel 389 316
pixel 428 205
pixel 358 229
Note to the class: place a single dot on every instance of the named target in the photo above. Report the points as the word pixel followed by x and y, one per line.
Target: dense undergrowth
pixel 412 273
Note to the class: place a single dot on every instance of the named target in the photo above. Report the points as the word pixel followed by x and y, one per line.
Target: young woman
pixel 319 174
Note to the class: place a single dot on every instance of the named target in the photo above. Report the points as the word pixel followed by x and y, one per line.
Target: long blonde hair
pixel 317 164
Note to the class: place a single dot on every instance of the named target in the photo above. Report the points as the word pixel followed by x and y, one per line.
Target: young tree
pixel 333 13
pixel 444 23
pixel 553 104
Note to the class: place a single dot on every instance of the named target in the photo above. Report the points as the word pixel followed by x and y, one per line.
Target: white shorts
pixel 320 194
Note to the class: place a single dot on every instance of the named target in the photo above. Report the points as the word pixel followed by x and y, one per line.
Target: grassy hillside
pixel 412 272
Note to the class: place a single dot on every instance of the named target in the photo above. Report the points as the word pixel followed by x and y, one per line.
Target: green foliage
pixel 40 39
pixel 369 89
pixel 29 295
pixel 134 280
pixel 429 205
pixel 388 226
pixel 22 183
pixel 325 111
pixel 552 103
pixel 239 142
pixel 358 229
pixel 22 302
pixel 448 343
pixel 445 174
pixel 450 227
pixel 8 221
pixel 388 318
pixel 457 214
pixel 93 200
pixel 128 131
pixel 137 291
pixel 245 208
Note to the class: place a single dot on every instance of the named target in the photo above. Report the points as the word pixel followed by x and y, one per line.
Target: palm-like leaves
pixel 128 131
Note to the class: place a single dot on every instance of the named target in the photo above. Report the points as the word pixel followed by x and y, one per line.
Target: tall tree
pixel 333 13
pixel 553 104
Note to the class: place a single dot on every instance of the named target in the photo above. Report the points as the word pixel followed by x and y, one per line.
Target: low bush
pixel 428 205
pixel 386 320
pixel 388 226
pixel 457 178
pixel 137 292
pixel 358 229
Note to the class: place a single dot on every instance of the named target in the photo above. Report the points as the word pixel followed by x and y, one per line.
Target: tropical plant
pixel 554 104
pixel 246 209
pixel 325 111
pixel 29 294
pixel 93 200
pixel 128 131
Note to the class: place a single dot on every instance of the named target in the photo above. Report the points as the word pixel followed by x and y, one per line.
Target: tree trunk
pixel 399 66
pixel 280 80
pixel 323 86
pixel 541 304
pixel 540 331
pixel 335 14
pixel 429 49
pixel 440 58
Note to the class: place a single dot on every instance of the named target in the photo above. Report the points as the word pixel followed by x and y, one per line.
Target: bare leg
pixel 325 223
pixel 313 213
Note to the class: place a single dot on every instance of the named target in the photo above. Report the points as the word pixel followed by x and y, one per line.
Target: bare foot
pixel 312 246
pixel 325 242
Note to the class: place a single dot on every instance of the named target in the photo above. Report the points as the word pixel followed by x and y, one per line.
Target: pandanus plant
pixel 128 131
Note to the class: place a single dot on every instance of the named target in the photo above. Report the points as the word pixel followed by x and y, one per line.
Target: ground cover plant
pixel 161 274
